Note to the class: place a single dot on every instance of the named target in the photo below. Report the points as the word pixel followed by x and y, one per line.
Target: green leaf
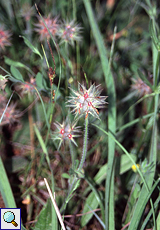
pixel 101 175
pixel 45 218
pixel 34 49
pixel 42 144
pixel 39 80
pixel 90 204
pixel 65 175
pixel 10 62
pixel 136 193
pixel 126 163
pixel 15 72
pixel 5 188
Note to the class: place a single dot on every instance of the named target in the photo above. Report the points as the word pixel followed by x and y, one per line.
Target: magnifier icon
pixel 9 217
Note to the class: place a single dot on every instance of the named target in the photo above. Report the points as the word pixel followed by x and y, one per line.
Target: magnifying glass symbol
pixel 9 217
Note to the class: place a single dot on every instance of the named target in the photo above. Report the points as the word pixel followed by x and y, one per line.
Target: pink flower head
pixel 140 87
pixel 66 132
pixel 11 114
pixel 42 30
pixel 27 11
pixel 87 101
pixel 4 38
pixel 27 87
pixel 69 32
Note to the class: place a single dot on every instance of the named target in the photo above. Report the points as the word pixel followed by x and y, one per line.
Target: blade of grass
pixel 150 212
pixel 42 144
pixel 140 100
pixel 109 189
pixel 5 188
pixel 47 123
pixel 134 122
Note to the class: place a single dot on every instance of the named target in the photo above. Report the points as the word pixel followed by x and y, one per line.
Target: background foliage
pixel 115 44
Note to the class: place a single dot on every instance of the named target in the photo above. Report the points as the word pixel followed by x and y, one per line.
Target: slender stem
pixel 78 60
pixel 74 9
pixel 33 171
pixel 84 146
pixel 72 154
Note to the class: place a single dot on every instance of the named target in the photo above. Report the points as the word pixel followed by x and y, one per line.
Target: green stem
pixel 84 146
pixel 72 154
pixel 78 60
pixel 74 9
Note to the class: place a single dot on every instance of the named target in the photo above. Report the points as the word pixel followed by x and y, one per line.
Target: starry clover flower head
pixel 27 87
pixel 11 114
pixel 69 32
pixel 26 11
pixel 87 101
pixel 66 131
pixel 4 38
pixel 140 87
pixel 52 24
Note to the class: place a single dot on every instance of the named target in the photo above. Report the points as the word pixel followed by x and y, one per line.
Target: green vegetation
pixel 79 113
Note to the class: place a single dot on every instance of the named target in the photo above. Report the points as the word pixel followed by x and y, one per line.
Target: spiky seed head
pixel 66 131
pixel 27 87
pixel 69 32
pixel 52 24
pixel 86 101
pixel 4 38
pixel 11 114
pixel 140 87
pixel 26 11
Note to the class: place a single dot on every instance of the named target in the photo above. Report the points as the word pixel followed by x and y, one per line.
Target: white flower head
pixel 87 101
pixel 66 131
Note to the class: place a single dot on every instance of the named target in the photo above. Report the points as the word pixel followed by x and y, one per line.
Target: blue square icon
pixel 10 219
